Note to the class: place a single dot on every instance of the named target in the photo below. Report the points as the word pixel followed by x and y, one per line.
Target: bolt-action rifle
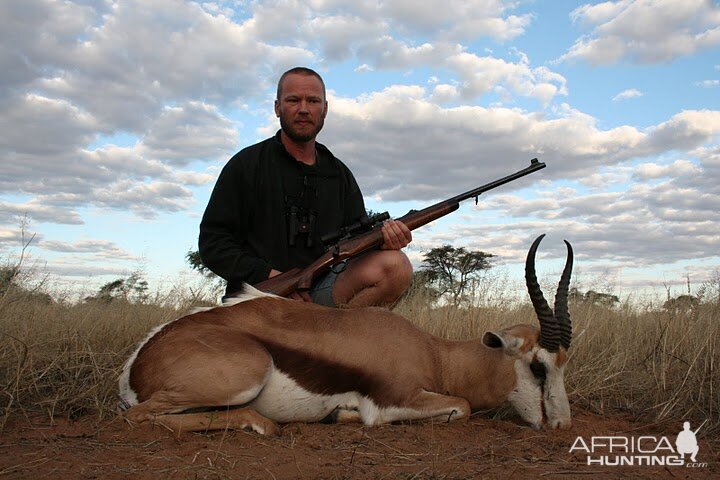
pixel 366 235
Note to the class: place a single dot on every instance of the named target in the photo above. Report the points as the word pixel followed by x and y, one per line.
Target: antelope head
pixel 540 355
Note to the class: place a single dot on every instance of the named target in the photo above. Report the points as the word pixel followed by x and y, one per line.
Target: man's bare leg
pixel 377 278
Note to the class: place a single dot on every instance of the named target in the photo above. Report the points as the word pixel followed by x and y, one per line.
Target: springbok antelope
pixel 267 359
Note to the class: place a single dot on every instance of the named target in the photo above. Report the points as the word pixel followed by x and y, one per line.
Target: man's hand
pixel 297 295
pixel 396 235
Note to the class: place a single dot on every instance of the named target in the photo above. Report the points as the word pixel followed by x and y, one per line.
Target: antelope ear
pixel 510 343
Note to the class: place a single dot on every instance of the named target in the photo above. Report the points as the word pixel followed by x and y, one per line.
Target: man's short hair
pixel 300 71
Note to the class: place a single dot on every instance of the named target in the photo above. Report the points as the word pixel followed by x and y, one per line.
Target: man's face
pixel 301 107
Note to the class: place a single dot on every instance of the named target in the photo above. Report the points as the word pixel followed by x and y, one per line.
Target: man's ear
pixel 277 108
pixel 509 343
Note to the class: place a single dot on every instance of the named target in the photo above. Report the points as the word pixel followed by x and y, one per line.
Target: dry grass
pixel 63 360
pixel 657 364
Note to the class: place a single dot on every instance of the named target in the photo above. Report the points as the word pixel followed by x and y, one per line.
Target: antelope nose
pixel 562 424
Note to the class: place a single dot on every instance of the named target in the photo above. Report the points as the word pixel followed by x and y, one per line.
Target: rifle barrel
pixel 418 218
pixel 535 165
pixel 701 425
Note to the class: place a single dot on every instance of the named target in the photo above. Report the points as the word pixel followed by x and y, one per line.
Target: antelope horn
pixel 549 332
pixel 562 315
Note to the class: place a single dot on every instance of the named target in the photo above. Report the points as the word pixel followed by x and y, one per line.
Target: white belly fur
pixel 283 400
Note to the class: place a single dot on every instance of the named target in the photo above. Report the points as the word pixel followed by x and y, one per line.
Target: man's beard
pixel 296 136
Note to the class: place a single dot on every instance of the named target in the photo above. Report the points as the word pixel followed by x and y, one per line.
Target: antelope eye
pixel 538 370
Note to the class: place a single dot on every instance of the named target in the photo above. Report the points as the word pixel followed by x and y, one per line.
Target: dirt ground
pixel 480 448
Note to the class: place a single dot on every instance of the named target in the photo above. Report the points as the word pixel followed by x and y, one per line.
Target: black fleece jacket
pixel 244 231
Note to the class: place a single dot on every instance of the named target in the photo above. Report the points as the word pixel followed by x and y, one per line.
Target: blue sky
pixel 117 116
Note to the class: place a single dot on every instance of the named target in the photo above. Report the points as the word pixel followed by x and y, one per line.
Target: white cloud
pixel 338 35
pixel 708 83
pixel 680 168
pixel 25 54
pixel 85 268
pixel 39 212
pixel 194 178
pixel 108 177
pixel 456 20
pixel 114 76
pixel 101 248
pixel 709 156
pixel 387 52
pixel 604 180
pixel 372 31
pixel 364 68
pixel 110 163
pixel 480 75
pixel 647 31
pixel 629 93
pixel 194 131
pixel 444 93
pixel 61 125
pixel 144 199
pixel 459 19
pixel 687 129
pixel 598 14
pixel 7 235
pixel 479 143
pixel 376 34
pixel 476 75
pixel 612 229
pixel 85 76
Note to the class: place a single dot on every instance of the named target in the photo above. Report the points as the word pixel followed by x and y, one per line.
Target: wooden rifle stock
pixel 302 279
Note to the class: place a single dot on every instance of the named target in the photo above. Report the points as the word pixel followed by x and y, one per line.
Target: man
pixel 274 201
pixel 686 442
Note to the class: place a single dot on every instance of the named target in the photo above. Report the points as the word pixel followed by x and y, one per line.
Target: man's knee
pixel 398 265
pixel 390 265
pixel 390 268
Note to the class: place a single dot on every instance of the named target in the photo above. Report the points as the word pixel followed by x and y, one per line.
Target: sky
pixel 117 116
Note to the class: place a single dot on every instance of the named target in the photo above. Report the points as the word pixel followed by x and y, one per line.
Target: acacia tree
pixel 709 291
pixel 133 288
pixel 452 271
pixel 593 297
pixel 682 304
pixel 192 257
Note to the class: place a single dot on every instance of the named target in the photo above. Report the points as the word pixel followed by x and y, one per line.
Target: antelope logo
pixel 265 360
